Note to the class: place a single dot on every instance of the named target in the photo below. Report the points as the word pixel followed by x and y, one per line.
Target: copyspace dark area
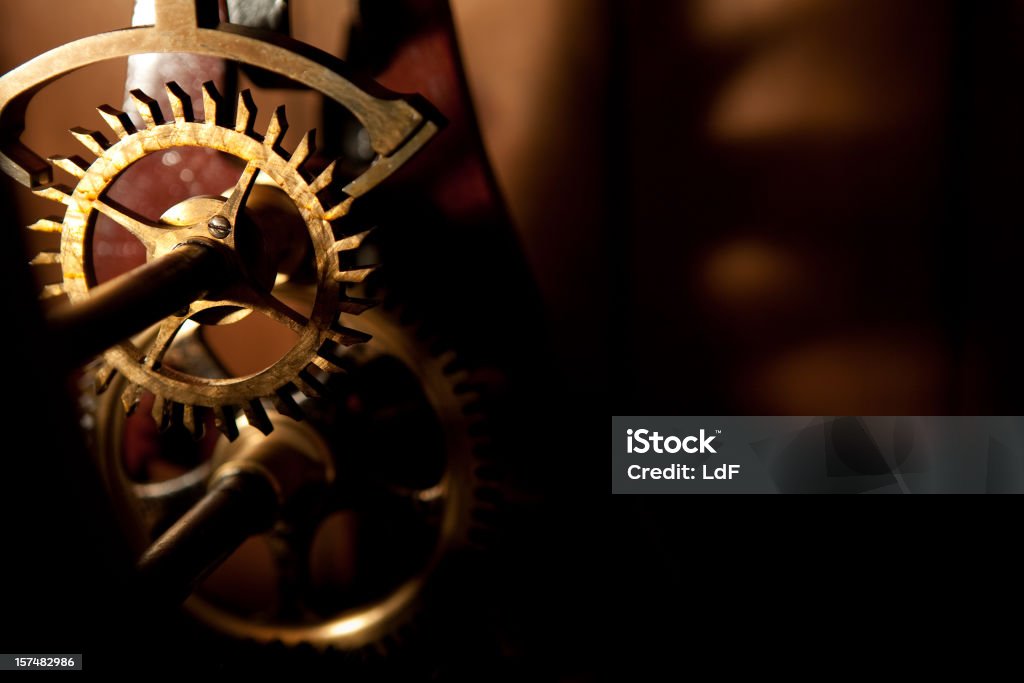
pixel 762 207
pixel 814 216
pixel 813 208
pixel 811 213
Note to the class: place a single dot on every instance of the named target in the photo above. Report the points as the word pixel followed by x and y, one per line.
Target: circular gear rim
pixel 397 615
pixel 292 372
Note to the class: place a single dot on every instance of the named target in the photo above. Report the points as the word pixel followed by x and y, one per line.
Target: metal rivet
pixel 220 227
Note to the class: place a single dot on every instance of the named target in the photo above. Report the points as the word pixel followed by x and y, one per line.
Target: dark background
pixel 813 208
pixel 727 207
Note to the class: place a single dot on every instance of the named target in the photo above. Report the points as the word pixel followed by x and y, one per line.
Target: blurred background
pixel 729 206
pixel 818 215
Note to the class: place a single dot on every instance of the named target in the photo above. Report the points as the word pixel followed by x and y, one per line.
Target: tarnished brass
pixel 397 129
pixel 293 457
pixel 255 480
pixel 191 221
pixel 119 308
pixel 453 502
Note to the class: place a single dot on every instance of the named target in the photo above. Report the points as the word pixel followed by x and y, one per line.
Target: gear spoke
pixel 143 230
pixel 272 307
pixel 290 547
pixel 164 502
pixel 164 336
pixel 193 352
pixel 240 192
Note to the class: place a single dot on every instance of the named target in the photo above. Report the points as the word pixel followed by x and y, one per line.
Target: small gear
pixel 322 205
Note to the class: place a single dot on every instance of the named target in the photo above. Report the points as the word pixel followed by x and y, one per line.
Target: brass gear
pixel 301 369
pixel 460 505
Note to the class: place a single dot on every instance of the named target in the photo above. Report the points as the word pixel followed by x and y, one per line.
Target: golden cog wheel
pixel 215 221
pixel 417 461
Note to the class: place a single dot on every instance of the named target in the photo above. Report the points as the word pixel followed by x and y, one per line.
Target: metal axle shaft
pixel 132 302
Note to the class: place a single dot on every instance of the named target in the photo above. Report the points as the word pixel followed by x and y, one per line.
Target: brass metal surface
pixel 187 394
pixel 397 128
pixel 119 308
pixel 393 123
pixel 190 222
pixel 453 501
pixel 291 458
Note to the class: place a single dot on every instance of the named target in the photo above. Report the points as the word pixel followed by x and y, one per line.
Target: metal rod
pixel 132 302
pixel 257 481
pixel 236 507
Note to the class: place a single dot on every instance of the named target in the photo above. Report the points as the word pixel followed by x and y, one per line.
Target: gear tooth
pixel 459 378
pixel 130 398
pixel 346 336
pixel 45 258
pixel 94 141
pixel 181 103
pixel 161 412
pixel 356 306
pixel 50 291
pixel 325 363
pixel 276 128
pixel 192 419
pixel 104 375
pixel 53 224
pixel 75 165
pixel 449 361
pixel 354 275
pixel 309 385
pixel 351 242
pixel 286 404
pixel 339 210
pixel 257 416
pixel 118 121
pixel 148 108
pixel 55 193
pixel 245 116
pixel 304 150
pixel 324 179
pixel 212 103
pixel 224 418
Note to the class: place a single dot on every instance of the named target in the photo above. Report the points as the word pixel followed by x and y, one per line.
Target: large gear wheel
pixel 415 479
pixel 395 127
pixel 196 219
